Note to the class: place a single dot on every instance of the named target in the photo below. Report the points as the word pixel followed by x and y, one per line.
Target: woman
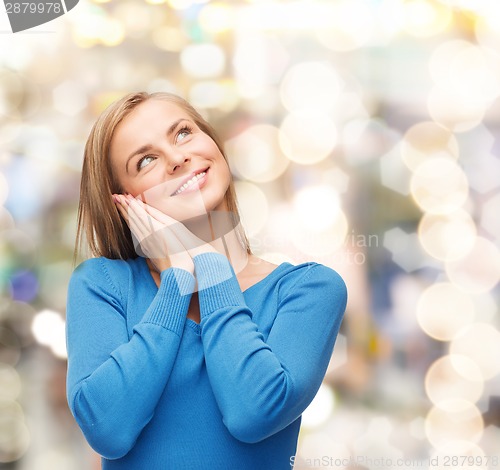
pixel 185 351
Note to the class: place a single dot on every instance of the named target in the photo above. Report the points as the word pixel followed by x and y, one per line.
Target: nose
pixel 176 161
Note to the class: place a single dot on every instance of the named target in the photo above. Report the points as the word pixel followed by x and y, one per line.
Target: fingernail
pixel 116 199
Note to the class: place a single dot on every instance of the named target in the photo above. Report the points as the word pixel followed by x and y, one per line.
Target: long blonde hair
pixel 106 233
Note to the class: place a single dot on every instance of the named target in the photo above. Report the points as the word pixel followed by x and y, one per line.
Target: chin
pixel 190 204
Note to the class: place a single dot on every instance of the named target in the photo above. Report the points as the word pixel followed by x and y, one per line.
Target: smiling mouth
pixel 190 183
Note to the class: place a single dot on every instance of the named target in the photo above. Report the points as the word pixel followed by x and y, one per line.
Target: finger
pixel 156 213
pixel 153 236
pixel 154 220
pixel 138 231
pixel 146 220
pixel 150 224
pixel 121 206
pixel 140 228
pixel 143 224
pixel 122 210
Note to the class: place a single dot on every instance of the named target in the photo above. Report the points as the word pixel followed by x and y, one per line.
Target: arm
pixel 114 382
pixel 263 386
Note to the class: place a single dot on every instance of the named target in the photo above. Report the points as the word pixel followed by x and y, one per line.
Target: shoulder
pixel 311 272
pixel 101 267
pixel 104 273
pixel 313 280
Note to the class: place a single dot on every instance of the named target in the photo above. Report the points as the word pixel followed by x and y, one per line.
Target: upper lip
pixel 188 177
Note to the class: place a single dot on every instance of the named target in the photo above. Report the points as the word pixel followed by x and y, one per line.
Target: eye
pixel 183 133
pixel 145 161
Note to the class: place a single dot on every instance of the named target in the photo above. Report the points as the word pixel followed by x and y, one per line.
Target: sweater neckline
pixel 193 325
pixel 269 276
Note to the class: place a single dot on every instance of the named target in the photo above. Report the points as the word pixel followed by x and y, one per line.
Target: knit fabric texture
pixel 154 390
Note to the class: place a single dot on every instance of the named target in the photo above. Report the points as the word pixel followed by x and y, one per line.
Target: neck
pixel 220 229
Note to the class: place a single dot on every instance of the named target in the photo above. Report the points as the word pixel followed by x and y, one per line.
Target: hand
pixel 159 237
pixel 152 239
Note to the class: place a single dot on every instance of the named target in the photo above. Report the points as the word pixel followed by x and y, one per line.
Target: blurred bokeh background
pixel 363 134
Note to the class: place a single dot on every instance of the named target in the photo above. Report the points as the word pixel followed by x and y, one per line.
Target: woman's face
pixel 159 154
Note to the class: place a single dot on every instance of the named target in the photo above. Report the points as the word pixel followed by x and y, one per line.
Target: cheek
pixel 177 207
pixel 150 186
pixel 182 209
pixel 222 165
pixel 226 174
pixel 153 194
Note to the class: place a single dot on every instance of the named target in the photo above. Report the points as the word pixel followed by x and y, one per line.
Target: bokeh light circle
pixel 351 24
pixel 311 86
pixel 445 381
pixel 169 38
pixel 48 328
pixel 424 18
pixel 453 110
pixel 320 409
pixel 14 434
pixel 136 18
pixel 317 207
pixel 481 343
pixel 475 73
pixel 207 94
pixel 439 186
pixel 447 236
pixel 323 243
pixel 320 225
pixel 256 153
pixel 10 382
pixel 442 57
pixel 203 60
pixel 426 140
pixel 443 310
pixel 253 206
pixel 451 420
pixel 307 138
pixel 70 97
pixel 467 79
pixel 487 27
pixel 12 91
pixel 479 270
pixel 216 17
pixel 10 347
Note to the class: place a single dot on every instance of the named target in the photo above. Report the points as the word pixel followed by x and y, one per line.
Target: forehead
pixel 149 113
pixel 146 121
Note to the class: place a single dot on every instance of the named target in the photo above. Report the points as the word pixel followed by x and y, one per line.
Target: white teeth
pixel 189 183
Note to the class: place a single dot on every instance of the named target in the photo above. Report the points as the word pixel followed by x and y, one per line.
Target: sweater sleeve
pixel 115 381
pixel 263 386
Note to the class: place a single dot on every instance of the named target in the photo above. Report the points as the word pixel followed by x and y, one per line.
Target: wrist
pixel 159 264
pixel 205 248
pixel 182 261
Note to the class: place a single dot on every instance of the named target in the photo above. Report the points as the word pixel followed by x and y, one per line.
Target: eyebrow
pixel 147 147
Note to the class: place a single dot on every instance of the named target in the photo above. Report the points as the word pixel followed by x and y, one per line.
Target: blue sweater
pixel 154 390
